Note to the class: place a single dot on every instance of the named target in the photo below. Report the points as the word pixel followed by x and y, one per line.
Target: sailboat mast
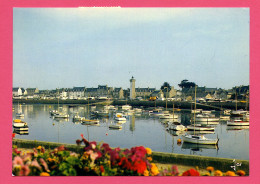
pixel 173 111
pixel 236 101
pixel 194 108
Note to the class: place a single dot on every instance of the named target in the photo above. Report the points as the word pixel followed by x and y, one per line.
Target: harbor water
pixel 139 129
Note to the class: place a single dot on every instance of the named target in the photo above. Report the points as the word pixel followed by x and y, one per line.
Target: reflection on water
pixel 137 130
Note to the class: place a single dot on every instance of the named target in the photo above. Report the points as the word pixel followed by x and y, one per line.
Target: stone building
pixel 144 92
pixel 32 91
pixel 118 93
pixel 100 91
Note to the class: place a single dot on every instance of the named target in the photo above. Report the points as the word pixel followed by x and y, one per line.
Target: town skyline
pixel 59 47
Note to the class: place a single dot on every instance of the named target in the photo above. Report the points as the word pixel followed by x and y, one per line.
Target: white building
pixel 132 88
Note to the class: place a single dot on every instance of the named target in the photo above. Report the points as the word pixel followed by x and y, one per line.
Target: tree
pixel 166 84
pixel 185 84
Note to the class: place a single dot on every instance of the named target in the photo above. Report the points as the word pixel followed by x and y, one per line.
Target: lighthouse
pixel 132 88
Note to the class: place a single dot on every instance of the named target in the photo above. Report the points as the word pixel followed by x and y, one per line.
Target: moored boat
pixel 177 127
pixel 199 127
pixel 90 122
pixel 76 117
pixel 120 117
pixel 115 126
pixel 237 122
pixel 199 139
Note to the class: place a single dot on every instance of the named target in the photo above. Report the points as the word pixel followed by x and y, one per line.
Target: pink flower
pixel 35 164
pixel 175 170
pixel 24 170
pixel 17 161
pixel 93 156
pixel 44 164
pixel 89 152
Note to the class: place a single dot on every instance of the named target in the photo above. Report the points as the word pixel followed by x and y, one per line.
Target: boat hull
pixel 200 128
pixel 191 139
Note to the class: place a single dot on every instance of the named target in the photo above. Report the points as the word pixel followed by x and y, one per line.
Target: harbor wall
pixel 223 164
pixel 136 103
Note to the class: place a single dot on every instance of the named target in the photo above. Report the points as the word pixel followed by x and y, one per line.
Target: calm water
pixel 138 130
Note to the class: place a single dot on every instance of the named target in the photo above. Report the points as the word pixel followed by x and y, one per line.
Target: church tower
pixel 132 88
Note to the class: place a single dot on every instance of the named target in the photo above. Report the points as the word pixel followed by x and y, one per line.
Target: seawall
pixel 136 103
pixel 223 164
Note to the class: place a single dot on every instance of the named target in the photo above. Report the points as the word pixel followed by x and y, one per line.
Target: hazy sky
pixel 67 47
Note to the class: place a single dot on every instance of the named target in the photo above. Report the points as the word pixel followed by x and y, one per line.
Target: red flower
pixel 16 151
pixel 124 163
pixel 82 136
pixel 102 168
pixel 61 148
pixel 191 172
pixel 106 147
pixel 139 166
pixel 13 135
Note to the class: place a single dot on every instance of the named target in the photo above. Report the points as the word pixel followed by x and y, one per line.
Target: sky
pixel 87 47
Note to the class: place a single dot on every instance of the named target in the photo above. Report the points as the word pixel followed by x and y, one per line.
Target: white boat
pixel 54 112
pixel 177 127
pixel 115 126
pixel 237 122
pixel 126 107
pixel 199 127
pixel 61 115
pixel 209 122
pixel 77 118
pixel 238 113
pixel 224 118
pixel 168 116
pixel 17 123
pixel 120 117
pixel 199 139
pixel 205 112
pixel 205 118
pixel 196 111
pixel 103 113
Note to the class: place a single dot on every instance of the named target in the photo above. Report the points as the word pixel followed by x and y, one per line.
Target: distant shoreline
pixel 136 103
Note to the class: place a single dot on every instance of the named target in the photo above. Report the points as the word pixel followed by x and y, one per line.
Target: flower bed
pixel 96 160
